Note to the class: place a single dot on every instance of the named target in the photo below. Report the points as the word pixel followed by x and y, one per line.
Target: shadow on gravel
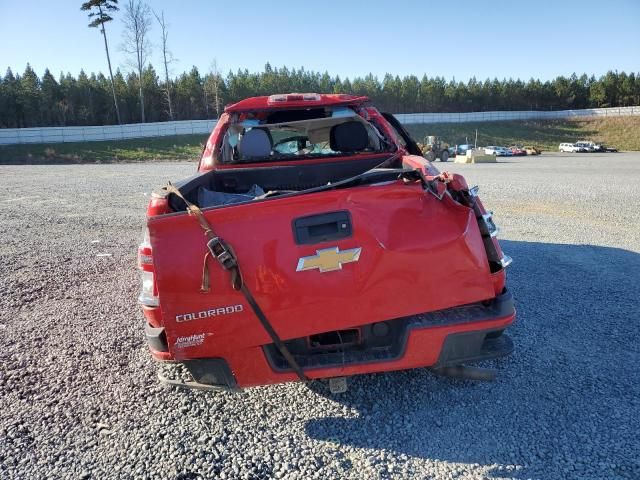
pixel 565 404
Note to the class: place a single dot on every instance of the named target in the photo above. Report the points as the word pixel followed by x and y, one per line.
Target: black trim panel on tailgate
pixel 322 227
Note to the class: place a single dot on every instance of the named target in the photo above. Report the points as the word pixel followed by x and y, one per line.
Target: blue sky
pixel 541 39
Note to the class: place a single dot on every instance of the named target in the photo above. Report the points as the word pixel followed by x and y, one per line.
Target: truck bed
pixel 296 177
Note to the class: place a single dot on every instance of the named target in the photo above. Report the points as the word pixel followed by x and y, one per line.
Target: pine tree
pixel 9 101
pixel 100 11
pixel 51 96
pixel 29 98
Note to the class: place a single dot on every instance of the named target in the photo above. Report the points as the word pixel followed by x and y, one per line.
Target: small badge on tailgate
pixel 212 312
pixel 329 259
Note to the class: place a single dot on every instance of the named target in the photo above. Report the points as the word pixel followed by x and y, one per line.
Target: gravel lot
pixel 79 397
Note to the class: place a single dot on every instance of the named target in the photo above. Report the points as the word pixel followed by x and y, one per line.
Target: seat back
pixel 349 136
pixel 256 143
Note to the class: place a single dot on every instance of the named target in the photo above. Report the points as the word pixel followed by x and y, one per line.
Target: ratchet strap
pixel 224 254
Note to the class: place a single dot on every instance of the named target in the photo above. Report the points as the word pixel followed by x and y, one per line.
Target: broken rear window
pixel 291 135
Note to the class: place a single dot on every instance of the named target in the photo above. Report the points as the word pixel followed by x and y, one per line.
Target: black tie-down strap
pixel 226 257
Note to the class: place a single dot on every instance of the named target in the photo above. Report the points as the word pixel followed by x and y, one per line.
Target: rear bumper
pixel 156 339
pixel 460 345
pixel 454 336
pixel 471 347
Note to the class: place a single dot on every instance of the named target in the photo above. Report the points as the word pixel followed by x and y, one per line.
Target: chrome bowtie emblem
pixel 329 259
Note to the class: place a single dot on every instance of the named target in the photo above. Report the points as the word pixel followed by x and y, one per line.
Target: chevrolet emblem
pixel 328 259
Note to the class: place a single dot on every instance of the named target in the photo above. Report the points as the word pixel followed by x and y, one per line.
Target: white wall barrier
pixel 409 118
pixel 12 136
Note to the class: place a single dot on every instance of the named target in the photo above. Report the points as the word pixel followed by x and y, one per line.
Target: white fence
pixel 11 136
pixel 408 118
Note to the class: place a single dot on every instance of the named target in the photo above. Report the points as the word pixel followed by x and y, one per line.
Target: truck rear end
pixel 361 256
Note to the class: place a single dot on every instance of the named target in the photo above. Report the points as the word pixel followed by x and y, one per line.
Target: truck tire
pixel 431 156
pixel 444 156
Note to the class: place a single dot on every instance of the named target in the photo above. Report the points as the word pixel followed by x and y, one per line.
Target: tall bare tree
pixel 137 24
pixel 99 11
pixel 167 58
pixel 212 85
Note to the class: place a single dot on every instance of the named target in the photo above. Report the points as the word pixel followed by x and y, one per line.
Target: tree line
pixel 140 95
pixel 28 100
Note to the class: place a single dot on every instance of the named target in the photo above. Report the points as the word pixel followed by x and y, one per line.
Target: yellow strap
pixel 204 285
pixel 193 210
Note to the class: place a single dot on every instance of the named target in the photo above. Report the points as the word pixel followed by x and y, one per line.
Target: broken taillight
pixel 487 225
pixel 498 261
pixel 158 205
pixel 149 293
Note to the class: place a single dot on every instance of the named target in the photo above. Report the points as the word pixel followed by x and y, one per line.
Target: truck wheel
pixel 444 156
pixel 431 156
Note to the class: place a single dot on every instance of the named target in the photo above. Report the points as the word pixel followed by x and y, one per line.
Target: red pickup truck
pixel 315 241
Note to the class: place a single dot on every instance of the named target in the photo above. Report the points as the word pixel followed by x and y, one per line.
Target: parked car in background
pixel 517 150
pixel 531 150
pixel 463 149
pixel 595 147
pixel 587 146
pixel 604 148
pixel 497 151
pixel 504 152
pixel 491 150
pixel 570 148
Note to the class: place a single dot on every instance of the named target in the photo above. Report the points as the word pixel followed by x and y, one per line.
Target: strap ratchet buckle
pixel 221 252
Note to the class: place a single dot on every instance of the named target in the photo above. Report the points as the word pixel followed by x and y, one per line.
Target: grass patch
pixel 180 147
pixel 620 132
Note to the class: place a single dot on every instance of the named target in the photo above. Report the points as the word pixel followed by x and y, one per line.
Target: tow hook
pixel 465 372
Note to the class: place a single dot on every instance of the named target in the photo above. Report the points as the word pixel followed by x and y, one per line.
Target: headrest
pixel 256 143
pixel 349 136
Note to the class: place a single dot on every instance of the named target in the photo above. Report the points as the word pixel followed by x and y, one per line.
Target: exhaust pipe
pixel 464 372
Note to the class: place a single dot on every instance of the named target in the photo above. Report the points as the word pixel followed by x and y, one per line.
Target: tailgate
pixel 416 254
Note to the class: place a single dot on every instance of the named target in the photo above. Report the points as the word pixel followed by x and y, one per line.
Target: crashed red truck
pixel 315 241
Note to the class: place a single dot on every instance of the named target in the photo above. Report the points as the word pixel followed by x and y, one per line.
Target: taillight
pixel 149 292
pixel 147 296
pixel 158 205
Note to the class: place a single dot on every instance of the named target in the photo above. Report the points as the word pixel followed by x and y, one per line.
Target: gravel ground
pixel 79 397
